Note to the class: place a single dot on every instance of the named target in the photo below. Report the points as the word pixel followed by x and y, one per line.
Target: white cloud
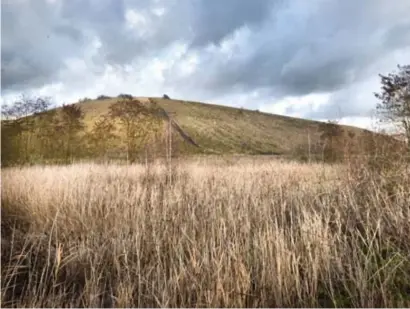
pixel 297 106
pixel 138 23
pixel 360 122
pixel 158 11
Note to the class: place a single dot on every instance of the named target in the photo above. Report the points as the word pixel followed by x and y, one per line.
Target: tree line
pixel 35 131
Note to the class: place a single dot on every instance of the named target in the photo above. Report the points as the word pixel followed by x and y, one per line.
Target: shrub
pixel 125 96
pixel 103 97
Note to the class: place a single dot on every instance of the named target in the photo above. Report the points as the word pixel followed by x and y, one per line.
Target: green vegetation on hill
pixel 91 129
pixel 225 129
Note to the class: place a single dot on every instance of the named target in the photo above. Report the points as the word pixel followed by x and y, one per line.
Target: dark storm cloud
pixel 216 19
pixel 286 48
pixel 323 51
pixel 197 22
pixel 40 35
pixel 22 70
pixel 104 19
pixel 35 43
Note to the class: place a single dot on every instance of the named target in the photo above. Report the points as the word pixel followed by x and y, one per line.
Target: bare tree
pixel 136 120
pixel 394 105
pixel 331 136
pixel 47 134
pixel 70 126
pixel 20 124
pixel 102 134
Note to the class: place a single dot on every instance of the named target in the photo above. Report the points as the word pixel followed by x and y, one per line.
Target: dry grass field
pixel 204 233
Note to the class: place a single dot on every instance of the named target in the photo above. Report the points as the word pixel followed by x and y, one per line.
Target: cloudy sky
pixel 316 59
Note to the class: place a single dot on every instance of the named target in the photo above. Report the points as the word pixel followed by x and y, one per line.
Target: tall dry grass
pixel 209 234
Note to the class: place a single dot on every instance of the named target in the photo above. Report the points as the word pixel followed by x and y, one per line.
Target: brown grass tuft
pixel 208 234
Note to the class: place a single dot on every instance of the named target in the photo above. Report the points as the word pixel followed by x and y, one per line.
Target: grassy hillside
pixel 222 129
pixel 196 128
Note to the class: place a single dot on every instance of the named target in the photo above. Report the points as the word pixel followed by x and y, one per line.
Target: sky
pixel 316 59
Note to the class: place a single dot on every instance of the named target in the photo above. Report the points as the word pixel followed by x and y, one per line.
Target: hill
pixel 209 128
pixel 223 129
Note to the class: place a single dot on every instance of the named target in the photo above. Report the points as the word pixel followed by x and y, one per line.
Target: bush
pixel 103 97
pixel 382 161
pixel 125 96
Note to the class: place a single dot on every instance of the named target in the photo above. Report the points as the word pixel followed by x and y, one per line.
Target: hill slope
pixel 221 129
pixel 197 128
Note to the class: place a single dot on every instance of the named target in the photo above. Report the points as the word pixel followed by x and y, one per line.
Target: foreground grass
pixel 267 234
